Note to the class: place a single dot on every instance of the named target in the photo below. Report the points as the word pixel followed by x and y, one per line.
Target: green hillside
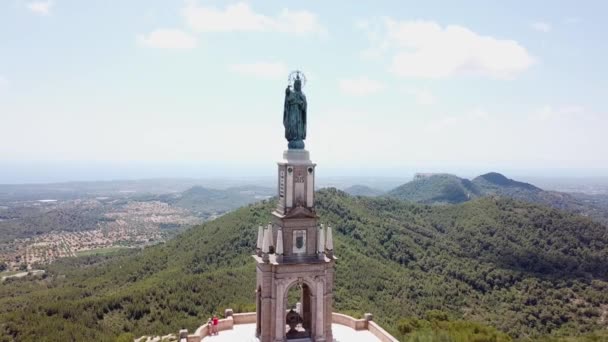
pixel 496 182
pixel 363 190
pixel 445 188
pixel 439 188
pixel 472 270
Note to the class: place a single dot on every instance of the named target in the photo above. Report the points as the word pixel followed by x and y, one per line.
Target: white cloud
pixel 240 17
pixel 269 70
pixel 40 7
pixel 360 86
pixel 549 113
pixel 541 26
pixel 422 96
pixel 168 39
pixel 425 49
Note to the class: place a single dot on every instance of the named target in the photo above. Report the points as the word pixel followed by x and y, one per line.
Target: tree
pixel 125 337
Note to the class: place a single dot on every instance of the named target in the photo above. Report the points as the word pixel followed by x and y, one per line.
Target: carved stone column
pixel 320 311
pixel 279 334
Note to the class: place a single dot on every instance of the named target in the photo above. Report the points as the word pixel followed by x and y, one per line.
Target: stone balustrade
pixel 223 324
pixel 228 323
pixel 366 323
pixel 244 318
pixel 355 324
pixel 380 333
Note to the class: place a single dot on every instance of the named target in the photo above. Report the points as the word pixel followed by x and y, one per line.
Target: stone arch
pixel 308 301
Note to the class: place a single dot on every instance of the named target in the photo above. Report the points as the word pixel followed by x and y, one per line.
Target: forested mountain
pixel 497 183
pixel 437 188
pixel 447 188
pixel 450 189
pixel 474 269
pixel 363 190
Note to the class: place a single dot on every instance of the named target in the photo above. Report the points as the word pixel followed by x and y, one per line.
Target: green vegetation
pixel 439 188
pixel 495 267
pixel 100 251
pixel 494 182
pixel 23 222
pixel 362 190
pixel 436 326
pixel 125 337
pixel 445 188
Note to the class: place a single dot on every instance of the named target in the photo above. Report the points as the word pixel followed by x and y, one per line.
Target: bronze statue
pixel 294 112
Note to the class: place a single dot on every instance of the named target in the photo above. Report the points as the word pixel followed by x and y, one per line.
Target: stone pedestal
pixel 300 264
pixel 296 181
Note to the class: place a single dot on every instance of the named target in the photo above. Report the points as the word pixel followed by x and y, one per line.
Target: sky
pixel 110 89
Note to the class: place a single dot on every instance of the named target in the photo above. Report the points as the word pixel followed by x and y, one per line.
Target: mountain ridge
pixel 437 188
pixel 451 189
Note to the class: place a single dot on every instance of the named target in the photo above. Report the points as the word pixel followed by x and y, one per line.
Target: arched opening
pixel 298 316
pixel 258 309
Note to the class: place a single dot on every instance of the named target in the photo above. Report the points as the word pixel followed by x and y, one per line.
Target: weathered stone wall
pixel 380 333
pixel 337 318
pixel 244 318
pixel 223 324
pixel 355 324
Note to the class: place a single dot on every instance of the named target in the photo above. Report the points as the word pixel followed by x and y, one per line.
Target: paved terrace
pixel 241 328
pixel 246 333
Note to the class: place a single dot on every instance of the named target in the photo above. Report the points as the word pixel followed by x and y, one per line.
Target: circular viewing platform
pixel 241 328
pixel 246 333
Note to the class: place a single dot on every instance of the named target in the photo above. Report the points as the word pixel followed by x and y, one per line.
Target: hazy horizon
pixel 45 172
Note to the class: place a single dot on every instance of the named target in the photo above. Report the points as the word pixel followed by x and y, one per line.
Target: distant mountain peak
pixel 497 179
pixel 445 188
pixel 436 188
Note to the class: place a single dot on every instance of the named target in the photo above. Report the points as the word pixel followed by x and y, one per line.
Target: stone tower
pixel 295 251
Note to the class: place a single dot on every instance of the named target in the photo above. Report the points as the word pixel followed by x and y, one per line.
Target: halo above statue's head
pixel 296 75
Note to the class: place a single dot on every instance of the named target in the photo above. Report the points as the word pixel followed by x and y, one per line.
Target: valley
pixel 38 231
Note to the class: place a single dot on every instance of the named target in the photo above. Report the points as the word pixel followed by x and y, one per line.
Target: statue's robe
pixel 294 116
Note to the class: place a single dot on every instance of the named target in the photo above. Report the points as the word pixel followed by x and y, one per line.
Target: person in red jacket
pixel 216 322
